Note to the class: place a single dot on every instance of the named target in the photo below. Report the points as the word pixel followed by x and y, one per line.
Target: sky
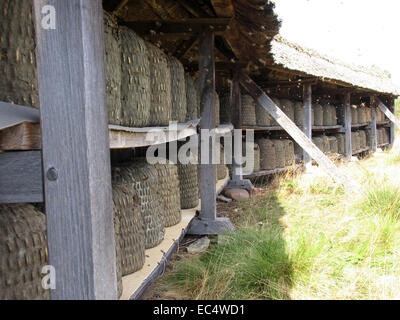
pixel 364 32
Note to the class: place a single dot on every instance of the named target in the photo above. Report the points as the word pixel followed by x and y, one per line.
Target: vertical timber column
pixel 373 137
pixel 307 129
pixel 347 125
pixel 76 158
pixel 207 223
pixel 392 125
pixel 236 114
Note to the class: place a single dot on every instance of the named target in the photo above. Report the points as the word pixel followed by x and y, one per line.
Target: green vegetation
pixel 305 238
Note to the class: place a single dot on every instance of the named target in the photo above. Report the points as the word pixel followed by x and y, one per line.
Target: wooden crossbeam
pixel 388 113
pixel 185 47
pixel 290 127
pixel 187 26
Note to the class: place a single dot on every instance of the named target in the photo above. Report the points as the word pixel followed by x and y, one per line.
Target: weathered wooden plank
pixel 187 26
pixel 223 8
pixel 347 125
pixel 21 177
pixel 388 113
pixel 76 157
pixel 307 128
pixel 207 88
pixel 373 135
pixel 13 114
pixel 25 136
pixel 290 127
pixel 207 222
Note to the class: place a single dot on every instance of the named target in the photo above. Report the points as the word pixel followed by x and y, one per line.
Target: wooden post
pixel 347 125
pixel 76 157
pixel 373 136
pixel 207 222
pixel 392 124
pixel 307 128
pixel 237 181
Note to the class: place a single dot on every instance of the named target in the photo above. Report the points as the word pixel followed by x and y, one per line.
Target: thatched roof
pixel 308 62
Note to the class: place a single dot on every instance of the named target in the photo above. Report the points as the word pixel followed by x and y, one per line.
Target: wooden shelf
pixel 279 128
pixel 383 145
pixel 135 284
pixel 324 128
pixel 267 172
pixel 126 137
pixel 360 125
pixel 360 151
pixel 27 135
pixel 382 123
pixel 257 128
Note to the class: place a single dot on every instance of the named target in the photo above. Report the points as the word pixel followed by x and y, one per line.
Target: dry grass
pixel 305 238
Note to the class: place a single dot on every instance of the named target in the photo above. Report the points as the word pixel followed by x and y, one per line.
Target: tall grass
pixel 307 239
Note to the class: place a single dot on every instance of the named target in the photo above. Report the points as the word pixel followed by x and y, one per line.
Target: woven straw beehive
pixel 248 111
pixel 112 46
pixel 23 252
pixel 319 142
pixel 327 115
pixel 178 90
pixel 289 153
pixel 273 122
pixel 189 185
pixel 135 83
pixel 280 153
pixel 221 167
pixel 333 144
pixel 355 141
pixel 267 154
pixel 363 139
pixel 168 187
pixel 192 101
pixel 354 115
pixel 369 114
pixel 263 119
pixel 341 143
pixel 132 237
pixel 318 115
pixel 18 81
pixel 160 80
pixel 143 179
pixel 299 114
pixel 334 119
pixel 225 108
pixel 287 107
pixel 362 115
pixel 325 144
pixel 251 159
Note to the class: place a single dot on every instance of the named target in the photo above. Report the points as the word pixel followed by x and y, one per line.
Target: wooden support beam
pixel 388 113
pixel 207 222
pixel 21 177
pixel 290 127
pixel 193 8
pixel 220 66
pixel 185 47
pixel 307 128
pixel 347 124
pixel 25 136
pixel 373 136
pixel 187 26
pixel 76 157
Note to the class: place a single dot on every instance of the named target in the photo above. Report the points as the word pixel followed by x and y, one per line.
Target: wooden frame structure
pixel 77 189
